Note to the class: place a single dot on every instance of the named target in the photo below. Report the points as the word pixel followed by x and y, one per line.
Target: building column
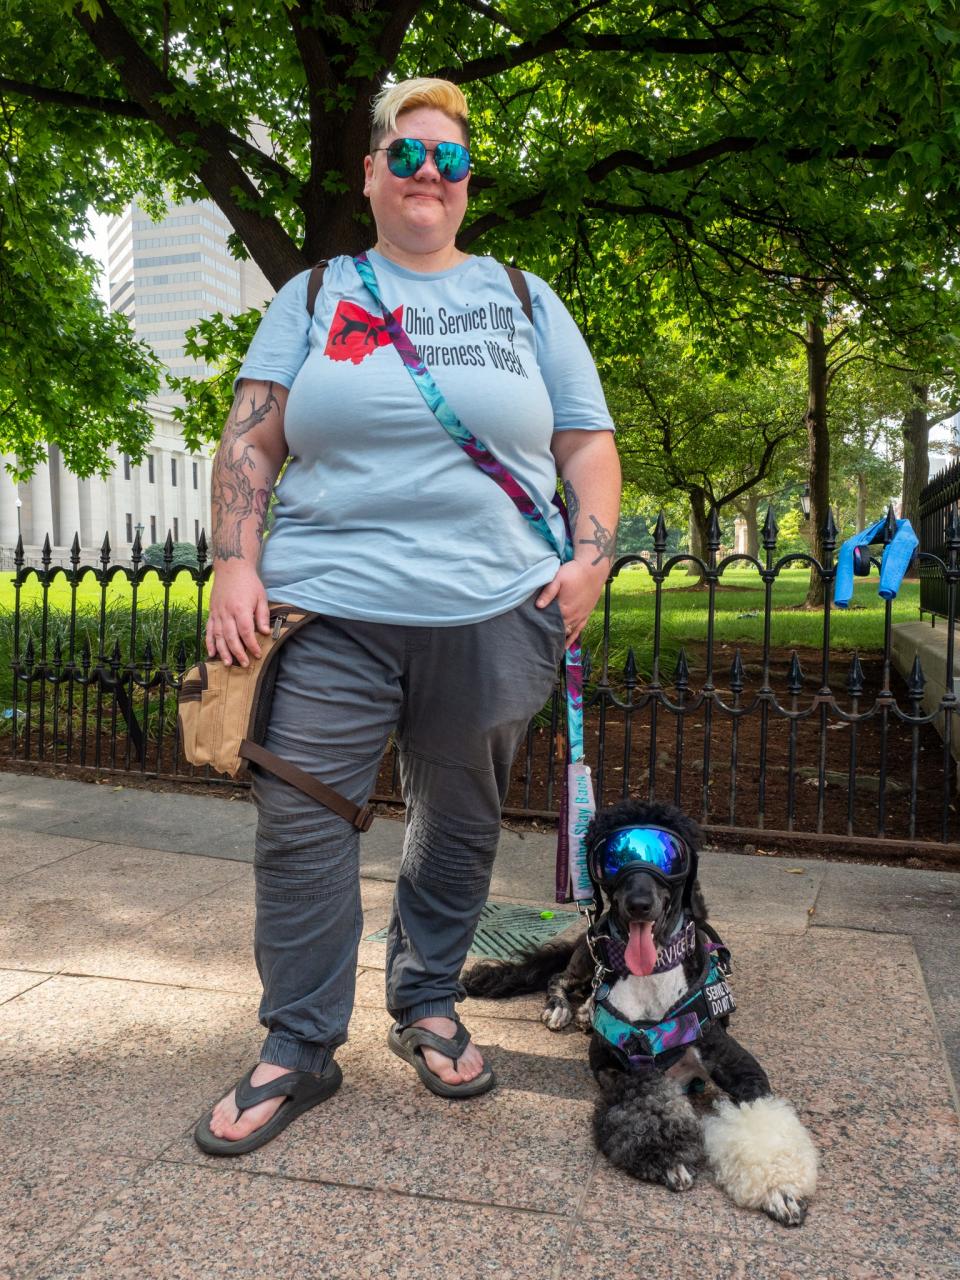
pixel 41 506
pixel 9 492
pixel 68 503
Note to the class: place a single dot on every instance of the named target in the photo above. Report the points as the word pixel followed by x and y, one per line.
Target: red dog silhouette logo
pixel 355 333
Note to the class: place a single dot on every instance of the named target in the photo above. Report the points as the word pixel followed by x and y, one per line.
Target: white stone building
pixel 169 491
pixel 164 276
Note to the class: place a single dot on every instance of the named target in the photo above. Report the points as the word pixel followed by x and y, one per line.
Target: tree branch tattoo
pixel 573 506
pixel 604 539
pixel 233 498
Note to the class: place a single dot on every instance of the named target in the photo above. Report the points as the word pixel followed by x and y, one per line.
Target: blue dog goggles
pixel 660 852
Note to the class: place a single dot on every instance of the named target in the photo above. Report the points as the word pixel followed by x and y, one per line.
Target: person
pixel 442 613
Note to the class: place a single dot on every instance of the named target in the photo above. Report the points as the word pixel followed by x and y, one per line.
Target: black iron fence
pixel 939 508
pixel 761 744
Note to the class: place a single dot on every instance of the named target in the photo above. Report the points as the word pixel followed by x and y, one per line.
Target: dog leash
pixel 577 800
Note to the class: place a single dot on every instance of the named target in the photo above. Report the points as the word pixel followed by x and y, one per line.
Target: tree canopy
pixel 647 158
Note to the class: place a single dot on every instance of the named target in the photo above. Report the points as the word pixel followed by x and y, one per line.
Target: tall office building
pixel 164 276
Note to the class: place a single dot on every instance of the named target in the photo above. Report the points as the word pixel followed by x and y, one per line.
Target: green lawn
pixel 738 619
pixel 739 614
pixel 182 592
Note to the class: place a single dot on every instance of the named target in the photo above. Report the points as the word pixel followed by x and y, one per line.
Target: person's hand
pixel 577 588
pixel 238 610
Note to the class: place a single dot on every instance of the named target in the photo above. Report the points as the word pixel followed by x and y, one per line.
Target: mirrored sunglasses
pixel 406 155
pixel 661 852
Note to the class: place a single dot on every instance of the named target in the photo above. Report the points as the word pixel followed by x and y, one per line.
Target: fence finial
pixel 770 531
pixel 681 672
pixel 795 675
pixel 713 530
pixel 829 531
pixel 890 527
pixel 630 669
pixel 917 679
pixel 736 673
pixel 660 533
pixel 855 677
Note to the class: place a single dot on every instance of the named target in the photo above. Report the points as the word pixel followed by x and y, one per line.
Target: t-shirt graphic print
pixel 355 334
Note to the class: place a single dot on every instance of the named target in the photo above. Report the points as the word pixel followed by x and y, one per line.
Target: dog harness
pixel 656 1045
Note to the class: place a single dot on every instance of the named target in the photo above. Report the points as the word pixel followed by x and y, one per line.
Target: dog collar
pixel 612 946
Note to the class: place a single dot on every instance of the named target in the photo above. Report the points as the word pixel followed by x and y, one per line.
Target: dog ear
pixel 698 904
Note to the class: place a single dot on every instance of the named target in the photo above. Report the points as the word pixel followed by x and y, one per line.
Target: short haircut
pixel 395 99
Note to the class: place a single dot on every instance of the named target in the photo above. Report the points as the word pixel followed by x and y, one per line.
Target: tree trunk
pixel 698 530
pixel 818 442
pixel 861 500
pixel 916 459
pixel 748 509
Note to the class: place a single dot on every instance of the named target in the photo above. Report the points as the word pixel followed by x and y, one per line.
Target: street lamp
pixel 805 502
pixel 138 529
pixel 19 504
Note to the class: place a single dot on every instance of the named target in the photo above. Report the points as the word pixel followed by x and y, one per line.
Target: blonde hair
pixel 394 99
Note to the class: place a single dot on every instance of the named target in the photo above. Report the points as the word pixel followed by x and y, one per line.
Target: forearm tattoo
pixel 233 498
pixel 573 506
pixel 604 539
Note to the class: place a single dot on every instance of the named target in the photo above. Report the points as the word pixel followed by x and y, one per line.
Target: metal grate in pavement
pixel 505 929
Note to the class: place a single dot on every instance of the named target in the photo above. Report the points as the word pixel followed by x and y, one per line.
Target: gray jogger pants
pixel 458 700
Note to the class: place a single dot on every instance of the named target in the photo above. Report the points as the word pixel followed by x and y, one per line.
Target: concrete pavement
pixel 129 1003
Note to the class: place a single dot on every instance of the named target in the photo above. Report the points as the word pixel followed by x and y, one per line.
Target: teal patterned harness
pixel 656 1045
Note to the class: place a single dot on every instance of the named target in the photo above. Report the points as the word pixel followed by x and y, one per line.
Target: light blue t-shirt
pixel 379 514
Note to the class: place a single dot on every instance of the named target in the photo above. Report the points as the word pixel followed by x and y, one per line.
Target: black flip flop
pixel 408 1042
pixel 302 1089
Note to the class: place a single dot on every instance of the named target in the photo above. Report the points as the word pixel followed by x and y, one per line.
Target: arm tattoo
pixel 605 540
pixel 233 498
pixel 573 506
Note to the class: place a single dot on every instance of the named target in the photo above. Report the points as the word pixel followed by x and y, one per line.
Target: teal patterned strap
pixel 483 457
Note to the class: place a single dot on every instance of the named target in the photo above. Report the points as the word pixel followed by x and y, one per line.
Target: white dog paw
pixel 763 1157
pixel 785 1207
pixel 585 1015
pixel 679 1178
pixel 556 1015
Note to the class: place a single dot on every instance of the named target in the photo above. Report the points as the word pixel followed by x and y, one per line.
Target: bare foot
pixel 470 1064
pixel 226 1123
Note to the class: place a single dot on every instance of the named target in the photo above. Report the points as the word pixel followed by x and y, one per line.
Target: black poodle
pixel 649 977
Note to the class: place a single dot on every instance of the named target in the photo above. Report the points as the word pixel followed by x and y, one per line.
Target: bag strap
pixel 359 816
pixel 518 282
pixel 314 284
pixel 520 287
pixel 483 458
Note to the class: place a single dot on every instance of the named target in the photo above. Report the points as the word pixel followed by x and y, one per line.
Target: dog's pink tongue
pixel 641 953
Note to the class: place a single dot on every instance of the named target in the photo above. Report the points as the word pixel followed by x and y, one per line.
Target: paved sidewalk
pixel 129 1003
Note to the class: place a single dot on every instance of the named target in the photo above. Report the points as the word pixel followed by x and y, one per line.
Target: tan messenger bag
pixel 224 711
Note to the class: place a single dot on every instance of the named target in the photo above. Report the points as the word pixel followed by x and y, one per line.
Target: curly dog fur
pixel 753 1142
